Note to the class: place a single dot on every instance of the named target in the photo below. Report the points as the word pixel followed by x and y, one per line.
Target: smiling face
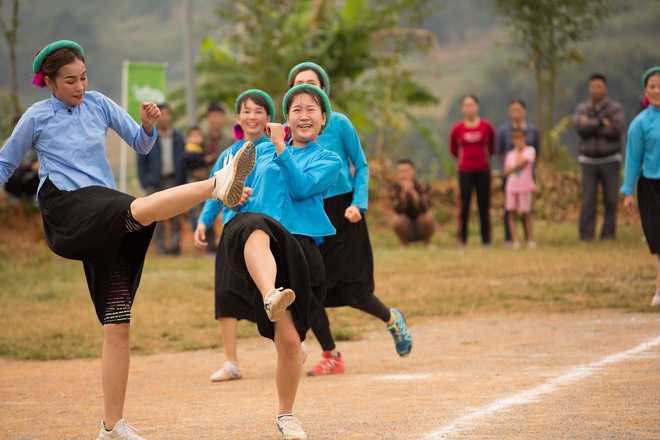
pixel 70 83
pixel 305 118
pixel 253 119
pixel 652 90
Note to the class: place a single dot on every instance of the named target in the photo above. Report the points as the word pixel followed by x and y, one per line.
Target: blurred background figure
pixel 217 137
pixel 599 122
pixel 411 200
pixel 164 168
pixel 517 120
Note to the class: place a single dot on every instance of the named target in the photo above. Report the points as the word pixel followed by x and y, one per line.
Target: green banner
pixel 143 82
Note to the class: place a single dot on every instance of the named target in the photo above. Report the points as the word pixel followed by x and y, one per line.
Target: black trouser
pixel 321 323
pixel 607 174
pixel 480 180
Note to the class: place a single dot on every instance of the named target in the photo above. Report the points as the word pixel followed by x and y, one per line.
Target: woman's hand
pixel 629 204
pixel 149 114
pixel 353 214
pixel 276 133
pixel 200 236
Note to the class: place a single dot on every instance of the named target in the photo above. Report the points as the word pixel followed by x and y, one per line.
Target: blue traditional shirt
pixel 212 207
pixel 643 149
pixel 291 187
pixel 340 136
pixel 70 141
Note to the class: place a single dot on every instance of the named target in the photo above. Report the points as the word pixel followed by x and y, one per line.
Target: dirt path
pixel 593 375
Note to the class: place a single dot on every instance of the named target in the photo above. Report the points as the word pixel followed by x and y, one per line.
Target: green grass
pixel 46 313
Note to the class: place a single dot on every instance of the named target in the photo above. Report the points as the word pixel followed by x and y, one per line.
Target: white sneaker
pixel 122 430
pixel 276 301
pixel 229 181
pixel 655 302
pixel 290 427
pixel 229 371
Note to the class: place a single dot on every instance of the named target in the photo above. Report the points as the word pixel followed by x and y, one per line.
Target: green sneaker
pixel 402 339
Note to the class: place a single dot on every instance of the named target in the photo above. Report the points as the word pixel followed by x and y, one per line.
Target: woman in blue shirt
pixel 643 164
pixel 274 240
pixel 85 218
pixel 233 300
pixel 348 258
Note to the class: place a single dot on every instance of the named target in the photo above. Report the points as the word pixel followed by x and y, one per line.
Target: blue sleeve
pixel 127 129
pixel 355 154
pixel 18 145
pixel 317 177
pixel 634 156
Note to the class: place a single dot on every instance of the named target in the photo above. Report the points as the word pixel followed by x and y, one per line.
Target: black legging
pixel 481 181
pixel 321 323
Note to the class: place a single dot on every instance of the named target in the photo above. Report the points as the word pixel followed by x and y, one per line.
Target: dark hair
pixel 58 59
pixel 653 73
pixel 315 96
pixel 194 128
pixel 518 101
pixel 257 99
pixel 164 106
pixel 595 76
pixel 469 96
pixel 304 68
pixel 215 107
pixel 406 162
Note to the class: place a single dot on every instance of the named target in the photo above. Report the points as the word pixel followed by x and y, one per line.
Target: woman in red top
pixel 472 142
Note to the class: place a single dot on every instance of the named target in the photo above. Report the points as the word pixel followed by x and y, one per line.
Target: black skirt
pixel 89 225
pixel 299 267
pixel 233 295
pixel 648 193
pixel 348 258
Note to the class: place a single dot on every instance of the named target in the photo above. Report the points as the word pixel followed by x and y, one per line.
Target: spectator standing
pixel 599 122
pixel 643 165
pixel 218 138
pixel 164 168
pixel 472 142
pixel 520 185
pixel 517 120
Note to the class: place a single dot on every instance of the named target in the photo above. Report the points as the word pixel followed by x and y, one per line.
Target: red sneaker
pixel 328 365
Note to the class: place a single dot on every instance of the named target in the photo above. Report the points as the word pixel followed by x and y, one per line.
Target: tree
pixel 548 31
pixel 10 31
pixel 362 45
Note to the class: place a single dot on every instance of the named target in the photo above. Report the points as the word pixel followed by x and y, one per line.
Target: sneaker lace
pixel 327 364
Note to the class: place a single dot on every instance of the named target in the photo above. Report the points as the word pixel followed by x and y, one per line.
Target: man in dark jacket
pixel 164 168
pixel 600 123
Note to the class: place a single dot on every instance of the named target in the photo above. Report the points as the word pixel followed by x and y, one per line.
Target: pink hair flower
pixel 38 80
pixel 238 132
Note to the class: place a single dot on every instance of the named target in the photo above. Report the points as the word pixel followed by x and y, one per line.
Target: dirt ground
pixel 593 375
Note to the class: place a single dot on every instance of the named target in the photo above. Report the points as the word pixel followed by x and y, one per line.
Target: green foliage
pixel 6 114
pixel 363 47
pixel 548 30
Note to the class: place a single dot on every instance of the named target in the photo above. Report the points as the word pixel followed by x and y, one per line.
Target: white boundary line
pixel 573 375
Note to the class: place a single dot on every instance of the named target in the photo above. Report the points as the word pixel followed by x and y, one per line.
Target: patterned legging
pixel 119 302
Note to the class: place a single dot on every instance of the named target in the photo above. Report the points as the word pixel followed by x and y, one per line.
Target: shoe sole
pixel 277 309
pixel 243 166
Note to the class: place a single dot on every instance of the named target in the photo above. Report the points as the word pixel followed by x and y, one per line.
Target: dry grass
pixel 45 311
